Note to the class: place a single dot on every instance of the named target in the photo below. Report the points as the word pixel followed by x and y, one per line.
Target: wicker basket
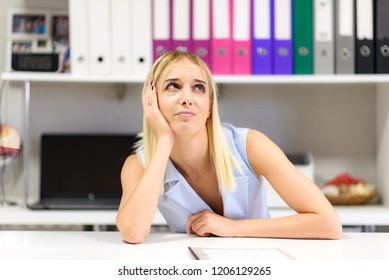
pixel 351 199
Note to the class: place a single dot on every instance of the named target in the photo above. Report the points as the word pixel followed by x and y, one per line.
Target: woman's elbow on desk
pixel 134 239
pixel 334 229
pixel 133 236
pixel 328 227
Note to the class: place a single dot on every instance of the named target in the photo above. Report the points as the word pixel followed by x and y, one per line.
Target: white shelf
pixel 67 78
pixel 227 79
pixel 349 215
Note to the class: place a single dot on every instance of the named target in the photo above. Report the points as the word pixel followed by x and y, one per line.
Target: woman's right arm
pixel 141 191
pixel 142 186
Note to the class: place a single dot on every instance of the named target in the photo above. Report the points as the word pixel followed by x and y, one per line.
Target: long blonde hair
pixel 220 154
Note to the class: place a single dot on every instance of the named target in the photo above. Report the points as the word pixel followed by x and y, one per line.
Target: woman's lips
pixel 185 113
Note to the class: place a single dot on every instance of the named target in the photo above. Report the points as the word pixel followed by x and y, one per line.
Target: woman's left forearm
pixel 306 225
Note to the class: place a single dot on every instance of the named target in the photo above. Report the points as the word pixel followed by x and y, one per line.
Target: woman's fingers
pixel 206 223
pixel 198 223
pixel 152 113
pixel 147 95
pixel 151 96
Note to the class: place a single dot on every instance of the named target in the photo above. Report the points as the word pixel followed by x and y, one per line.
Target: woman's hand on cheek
pixel 206 223
pixel 153 115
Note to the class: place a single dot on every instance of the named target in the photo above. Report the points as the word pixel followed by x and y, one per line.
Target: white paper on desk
pixel 242 254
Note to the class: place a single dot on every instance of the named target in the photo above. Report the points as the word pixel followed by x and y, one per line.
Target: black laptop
pixel 82 171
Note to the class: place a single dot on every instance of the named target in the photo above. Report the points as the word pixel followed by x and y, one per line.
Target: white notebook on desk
pixel 239 254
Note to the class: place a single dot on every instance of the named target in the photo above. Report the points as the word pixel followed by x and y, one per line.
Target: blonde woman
pixel 206 177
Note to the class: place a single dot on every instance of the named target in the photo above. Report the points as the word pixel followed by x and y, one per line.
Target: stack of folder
pixel 110 37
pixel 234 37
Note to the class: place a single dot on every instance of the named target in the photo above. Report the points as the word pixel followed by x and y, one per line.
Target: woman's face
pixel 184 97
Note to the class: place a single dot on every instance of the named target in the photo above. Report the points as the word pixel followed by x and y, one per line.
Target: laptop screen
pixel 83 166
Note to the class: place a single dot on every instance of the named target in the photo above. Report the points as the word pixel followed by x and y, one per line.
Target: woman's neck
pixel 190 153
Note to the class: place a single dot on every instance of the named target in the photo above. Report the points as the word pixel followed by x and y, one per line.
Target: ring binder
pixel 262 36
pixel 283 45
pixel 382 36
pixel 345 37
pixel 221 37
pixel 201 29
pixel 162 29
pixel 364 25
pixel 324 61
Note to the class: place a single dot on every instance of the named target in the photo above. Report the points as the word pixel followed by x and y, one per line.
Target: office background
pixel 336 122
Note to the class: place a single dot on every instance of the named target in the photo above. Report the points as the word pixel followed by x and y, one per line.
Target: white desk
pixel 351 216
pixel 38 245
pixel 23 216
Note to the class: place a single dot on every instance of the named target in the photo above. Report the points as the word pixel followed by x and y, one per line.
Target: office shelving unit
pixel 356 215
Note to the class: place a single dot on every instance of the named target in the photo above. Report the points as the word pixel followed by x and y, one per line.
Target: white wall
pixel 336 122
